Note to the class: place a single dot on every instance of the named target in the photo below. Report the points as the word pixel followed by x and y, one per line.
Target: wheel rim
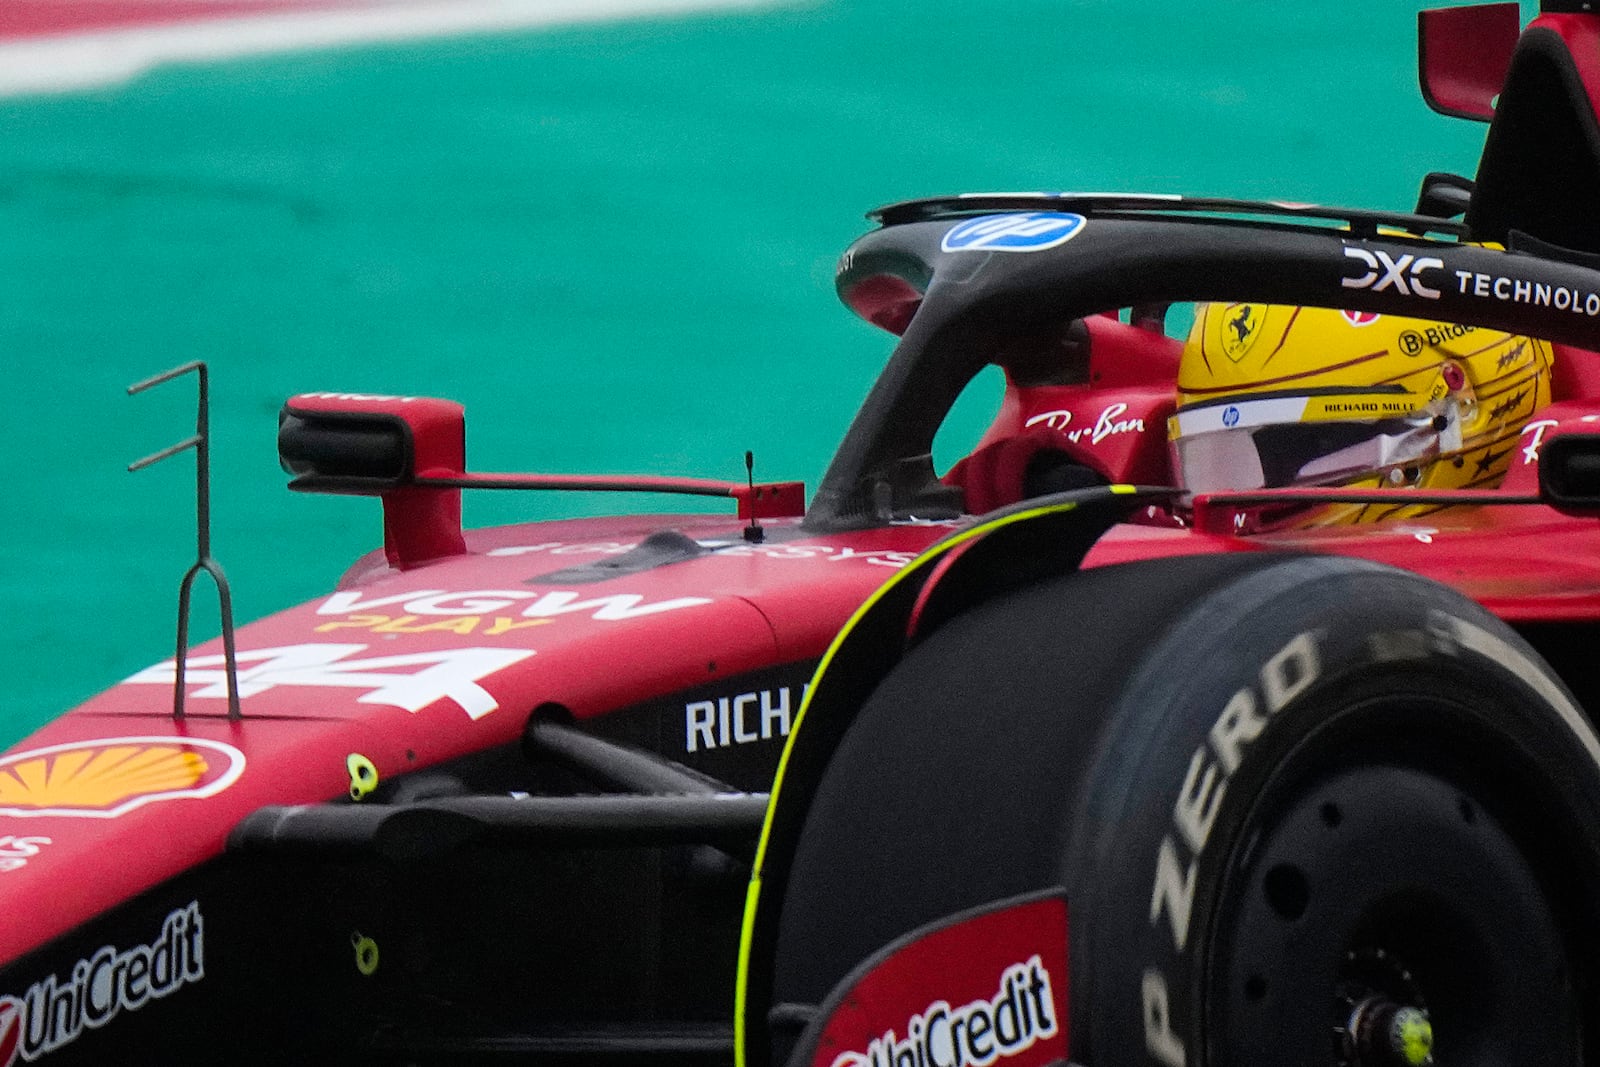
pixel 1382 916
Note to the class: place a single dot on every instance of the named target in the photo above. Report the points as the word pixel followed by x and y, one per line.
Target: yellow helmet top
pixel 1270 395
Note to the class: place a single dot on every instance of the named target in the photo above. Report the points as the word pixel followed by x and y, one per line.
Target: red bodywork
pixel 415 667
pixel 445 643
pixel 485 663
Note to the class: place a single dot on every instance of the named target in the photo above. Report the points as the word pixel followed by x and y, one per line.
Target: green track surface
pixel 613 243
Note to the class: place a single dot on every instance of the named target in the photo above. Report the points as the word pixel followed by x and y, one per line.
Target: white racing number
pixel 412 681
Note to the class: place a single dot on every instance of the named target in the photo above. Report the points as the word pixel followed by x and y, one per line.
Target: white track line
pixel 70 62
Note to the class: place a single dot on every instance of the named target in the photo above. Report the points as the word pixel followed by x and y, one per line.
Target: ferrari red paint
pixel 410 669
pixel 420 822
pixel 977 989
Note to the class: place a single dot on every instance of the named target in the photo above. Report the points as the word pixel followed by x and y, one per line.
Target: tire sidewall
pixel 1259 686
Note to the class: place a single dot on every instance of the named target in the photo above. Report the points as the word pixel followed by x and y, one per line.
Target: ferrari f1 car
pixel 1230 703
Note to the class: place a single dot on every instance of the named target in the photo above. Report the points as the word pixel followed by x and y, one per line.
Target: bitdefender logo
pixel 1020 1014
pixel 56 1011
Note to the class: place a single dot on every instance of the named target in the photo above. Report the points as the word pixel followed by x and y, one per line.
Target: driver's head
pixel 1274 396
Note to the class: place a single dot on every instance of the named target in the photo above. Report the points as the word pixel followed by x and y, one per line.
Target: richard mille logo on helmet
pixel 1404 275
pixel 1241 325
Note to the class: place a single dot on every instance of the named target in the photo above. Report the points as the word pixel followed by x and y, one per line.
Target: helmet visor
pixel 1217 457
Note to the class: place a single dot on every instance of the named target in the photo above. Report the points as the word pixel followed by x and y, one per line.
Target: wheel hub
pixel 1382 918
pixel 1385 1020
pixel 1381 1033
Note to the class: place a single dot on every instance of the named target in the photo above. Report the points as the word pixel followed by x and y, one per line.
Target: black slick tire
pixel 1299 805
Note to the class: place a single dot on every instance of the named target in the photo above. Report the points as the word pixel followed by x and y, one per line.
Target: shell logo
pixel 108 777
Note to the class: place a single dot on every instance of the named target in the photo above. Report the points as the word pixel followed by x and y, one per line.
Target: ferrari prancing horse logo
pixel 1241 325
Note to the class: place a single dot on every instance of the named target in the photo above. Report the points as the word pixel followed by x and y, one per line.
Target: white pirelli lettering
pixel 1173 892
pixel 1285 675
pixel 1159 1038
pixel 1196 809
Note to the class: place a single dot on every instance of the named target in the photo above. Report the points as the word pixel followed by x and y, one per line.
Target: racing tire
pixel 1306 811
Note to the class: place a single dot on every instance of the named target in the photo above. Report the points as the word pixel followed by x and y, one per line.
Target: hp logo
pixel 1030 231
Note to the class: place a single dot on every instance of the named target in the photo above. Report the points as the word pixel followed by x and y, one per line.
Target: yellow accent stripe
pixel 753 893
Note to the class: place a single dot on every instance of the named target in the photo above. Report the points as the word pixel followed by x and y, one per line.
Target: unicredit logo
pixel 55 1011
pixel 10 1030
pixel 976 1034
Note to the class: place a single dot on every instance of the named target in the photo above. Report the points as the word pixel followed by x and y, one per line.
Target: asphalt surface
pixel 612 241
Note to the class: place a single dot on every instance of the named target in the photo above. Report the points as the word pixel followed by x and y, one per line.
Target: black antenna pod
pixel 752 533
pixel 201 443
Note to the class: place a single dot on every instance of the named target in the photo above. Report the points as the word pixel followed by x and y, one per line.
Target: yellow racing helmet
pixel 1271 395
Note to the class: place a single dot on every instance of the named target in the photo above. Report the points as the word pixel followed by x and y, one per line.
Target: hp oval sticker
pixel 1031 231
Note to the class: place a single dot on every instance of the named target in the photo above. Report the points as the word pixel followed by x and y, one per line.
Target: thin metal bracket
pixel 200 442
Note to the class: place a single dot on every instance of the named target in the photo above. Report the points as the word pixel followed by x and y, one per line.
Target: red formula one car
pixel 1226 705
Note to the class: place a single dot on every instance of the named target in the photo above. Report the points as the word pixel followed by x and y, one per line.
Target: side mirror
pixel 368 445
pixel 1569 473
pixel 1463 54
pixel 379 446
